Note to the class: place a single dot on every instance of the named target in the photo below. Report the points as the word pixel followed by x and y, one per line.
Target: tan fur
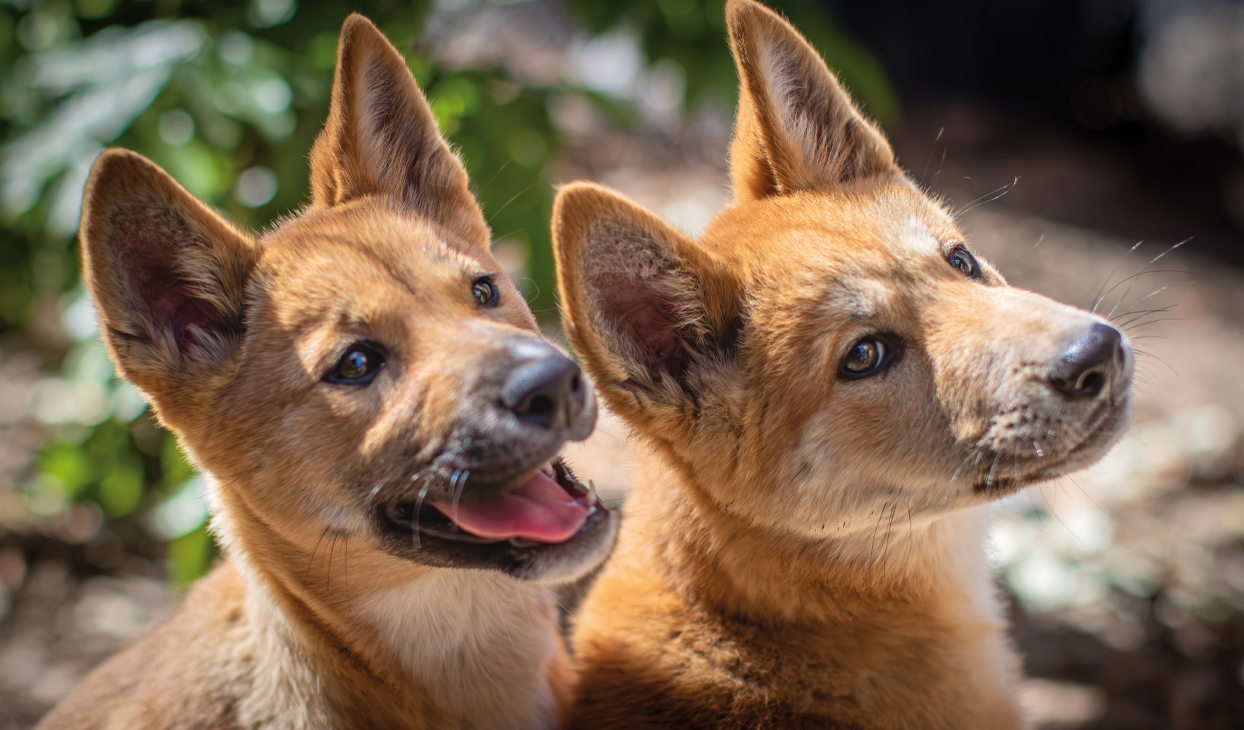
pixel 314 620
pixel 799 549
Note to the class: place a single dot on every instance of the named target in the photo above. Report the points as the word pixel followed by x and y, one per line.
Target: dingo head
pixel 831 346
pixel 364 370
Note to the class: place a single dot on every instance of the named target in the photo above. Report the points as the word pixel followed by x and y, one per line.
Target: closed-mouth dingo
pixel 828 387
pixel 380 421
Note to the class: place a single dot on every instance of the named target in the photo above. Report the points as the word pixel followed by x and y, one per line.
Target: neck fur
pixel 723 561
pixel 452 648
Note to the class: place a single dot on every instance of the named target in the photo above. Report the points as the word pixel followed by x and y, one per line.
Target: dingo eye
pixel 485 291
pixel 357 366
pixel 964 262
pixel 866 357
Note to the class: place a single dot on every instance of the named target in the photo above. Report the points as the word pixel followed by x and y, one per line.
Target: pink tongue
pixel 538 510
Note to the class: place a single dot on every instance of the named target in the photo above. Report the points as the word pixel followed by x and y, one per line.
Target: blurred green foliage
pixel 228 97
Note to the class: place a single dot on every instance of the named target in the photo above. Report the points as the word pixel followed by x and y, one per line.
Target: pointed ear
pixel 381 139
pixel 167 274
pixel 796 128
pixel 645 308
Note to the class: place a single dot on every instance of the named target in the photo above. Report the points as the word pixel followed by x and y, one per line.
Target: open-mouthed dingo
pixel 380 421
pixel 828 387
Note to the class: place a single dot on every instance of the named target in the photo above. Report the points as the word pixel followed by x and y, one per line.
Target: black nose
pixel 1089 363
pixel 548 392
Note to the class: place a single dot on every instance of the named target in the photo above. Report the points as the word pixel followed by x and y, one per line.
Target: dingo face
pixel 830 350
pixel 365 370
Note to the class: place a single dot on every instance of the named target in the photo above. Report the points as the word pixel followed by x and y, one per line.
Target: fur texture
pixel 327 614
pixel 802 545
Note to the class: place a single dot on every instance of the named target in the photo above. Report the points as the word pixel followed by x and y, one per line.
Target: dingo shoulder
pixel 380 423
pixel 828 388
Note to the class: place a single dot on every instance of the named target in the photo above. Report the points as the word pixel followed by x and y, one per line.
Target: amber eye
pixel 868 356
pixel 964 262
pixel 357 366
pixel 485 292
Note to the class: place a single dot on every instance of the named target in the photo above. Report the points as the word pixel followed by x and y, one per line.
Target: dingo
pixel 381 422
pixel 828 386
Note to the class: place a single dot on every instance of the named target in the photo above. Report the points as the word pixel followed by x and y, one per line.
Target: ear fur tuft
pixel 640 300
pixel 166 272
pixel 796 129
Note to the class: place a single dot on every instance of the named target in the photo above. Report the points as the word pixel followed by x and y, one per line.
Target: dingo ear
pixel 644 307
pixel 166 272
pixel 796 128
pixel 381 139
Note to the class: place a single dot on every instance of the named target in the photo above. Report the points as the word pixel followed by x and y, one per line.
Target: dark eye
pixel 964 262
pixel 357 366
pixel 485 292
pixel 866 357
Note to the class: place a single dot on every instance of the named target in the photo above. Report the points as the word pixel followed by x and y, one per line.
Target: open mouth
pixel 548 507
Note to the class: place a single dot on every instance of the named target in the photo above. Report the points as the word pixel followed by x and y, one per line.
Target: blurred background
pixel 1066 131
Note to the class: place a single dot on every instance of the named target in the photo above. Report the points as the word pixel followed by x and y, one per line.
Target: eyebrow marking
pixel 854 303
pixel 469 268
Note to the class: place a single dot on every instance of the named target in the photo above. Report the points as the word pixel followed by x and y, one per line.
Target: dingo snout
pixel 379 423
pixel 826 387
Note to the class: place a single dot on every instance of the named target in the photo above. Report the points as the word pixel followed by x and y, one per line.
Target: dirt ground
pixel 1126 581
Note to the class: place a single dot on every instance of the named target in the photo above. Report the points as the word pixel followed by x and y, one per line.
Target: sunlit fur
pixel 310 622
pixel 799 549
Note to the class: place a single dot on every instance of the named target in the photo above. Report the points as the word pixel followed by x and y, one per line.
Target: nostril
pixel 546 393
pixel 1091 384
pixel 1089 362
pixel 539 406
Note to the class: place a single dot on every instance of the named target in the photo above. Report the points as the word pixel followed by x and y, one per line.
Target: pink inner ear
pixel 643 317
pixel 151 245
pixel 179 309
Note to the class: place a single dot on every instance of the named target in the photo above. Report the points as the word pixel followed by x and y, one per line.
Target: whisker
pixel 371 497
pixel 1054 513
pixel 536 285
pixel 1155 357
pixel 1137 275
pixel 456 483
pixel 1172 248
pixel 1099 295
pixel 1133 328
pixel 1128 290
pixel 974 451
pixel 1024 255
pixel 1155 292
pixel 497 212
pixel 1090 499
pixel 423 492
pixel 306 576
pixel 872 542
pixel 494 177
pixel 940 165
pixel 1141 314
pixel 1142 271
pixel 889 535
pixel 931 151
pixel 992 467
pixel 988 198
